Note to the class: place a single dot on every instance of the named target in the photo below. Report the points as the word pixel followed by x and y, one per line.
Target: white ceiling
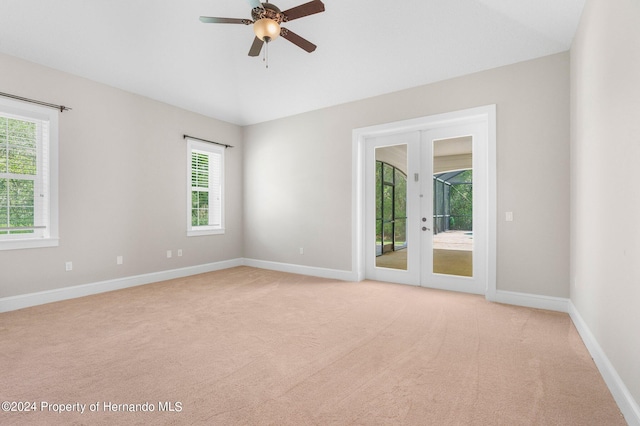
pixel 159 48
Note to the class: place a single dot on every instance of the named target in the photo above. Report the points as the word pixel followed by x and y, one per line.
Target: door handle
pixel 424 228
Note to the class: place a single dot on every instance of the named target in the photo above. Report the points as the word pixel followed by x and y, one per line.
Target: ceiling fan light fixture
pixel 266 29
pixel 266 19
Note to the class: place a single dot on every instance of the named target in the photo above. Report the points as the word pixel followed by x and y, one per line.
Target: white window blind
pixel 28 184
pixel 206 191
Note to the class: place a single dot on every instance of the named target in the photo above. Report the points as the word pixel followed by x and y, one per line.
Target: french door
pixel 426 199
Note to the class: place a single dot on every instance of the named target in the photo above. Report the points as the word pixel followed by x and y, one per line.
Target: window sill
pixel 200 232
pixel 28 244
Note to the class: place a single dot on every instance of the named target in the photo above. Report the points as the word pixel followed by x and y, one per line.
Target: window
pixel 391 208
pixel 28 175
pixel 205 203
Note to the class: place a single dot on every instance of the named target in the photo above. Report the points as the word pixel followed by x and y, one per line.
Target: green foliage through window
pixel 18 168
pixel 461 203
pixel 391 208
pixel 200 189
pixel 453 201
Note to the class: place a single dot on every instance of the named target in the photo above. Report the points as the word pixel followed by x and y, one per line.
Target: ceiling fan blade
pixel 255 3
pixel 297 40
pixel 214 20
pixel 256 47
pixel 315 6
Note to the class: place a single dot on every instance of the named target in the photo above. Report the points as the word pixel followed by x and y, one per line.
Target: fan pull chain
pixel 265 56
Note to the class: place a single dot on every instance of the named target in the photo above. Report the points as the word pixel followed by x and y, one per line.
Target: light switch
pixel 509 216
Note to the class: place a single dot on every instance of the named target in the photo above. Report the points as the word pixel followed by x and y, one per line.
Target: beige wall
pixel 122 185
pixel 122 178
pixel 298 173
pixel 605 201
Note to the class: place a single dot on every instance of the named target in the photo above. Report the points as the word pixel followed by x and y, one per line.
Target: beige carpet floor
pixel 249 346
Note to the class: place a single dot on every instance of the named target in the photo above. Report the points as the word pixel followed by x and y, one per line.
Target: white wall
pixel 298 173
pixel 122 185
pixel 605 191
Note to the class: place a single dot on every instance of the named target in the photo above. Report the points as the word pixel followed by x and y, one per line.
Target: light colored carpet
pixel 249 346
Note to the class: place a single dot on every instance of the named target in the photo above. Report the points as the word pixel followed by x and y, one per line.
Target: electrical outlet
pixel 119 260
pixel 301 250
pixel 68 266
pixel 169 254
pixel 179 252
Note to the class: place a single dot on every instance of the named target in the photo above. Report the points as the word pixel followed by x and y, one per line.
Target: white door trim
pixel 359 137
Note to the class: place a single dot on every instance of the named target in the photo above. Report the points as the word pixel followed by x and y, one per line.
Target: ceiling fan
pixel 266 20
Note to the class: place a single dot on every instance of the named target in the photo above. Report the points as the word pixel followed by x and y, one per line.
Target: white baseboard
pixel 13 303
pixel 620 392
pixel 335 274
pixel 32 299
pixel 558 304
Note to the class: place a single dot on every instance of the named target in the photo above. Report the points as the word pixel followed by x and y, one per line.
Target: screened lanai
pixel 452 209
pixel 391 208
pixel 453 201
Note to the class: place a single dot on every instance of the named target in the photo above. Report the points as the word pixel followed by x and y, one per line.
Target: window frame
pixel 209 149
pixel 47 166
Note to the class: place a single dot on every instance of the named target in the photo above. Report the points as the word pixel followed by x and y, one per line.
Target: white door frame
pixel 360 136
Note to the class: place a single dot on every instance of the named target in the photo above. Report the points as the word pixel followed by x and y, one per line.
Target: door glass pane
pixel 453 206
pixel 400 211
pixel 391 207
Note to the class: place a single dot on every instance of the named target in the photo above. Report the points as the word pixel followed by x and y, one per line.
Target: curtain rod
pixel 62 108
pixel 204 140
